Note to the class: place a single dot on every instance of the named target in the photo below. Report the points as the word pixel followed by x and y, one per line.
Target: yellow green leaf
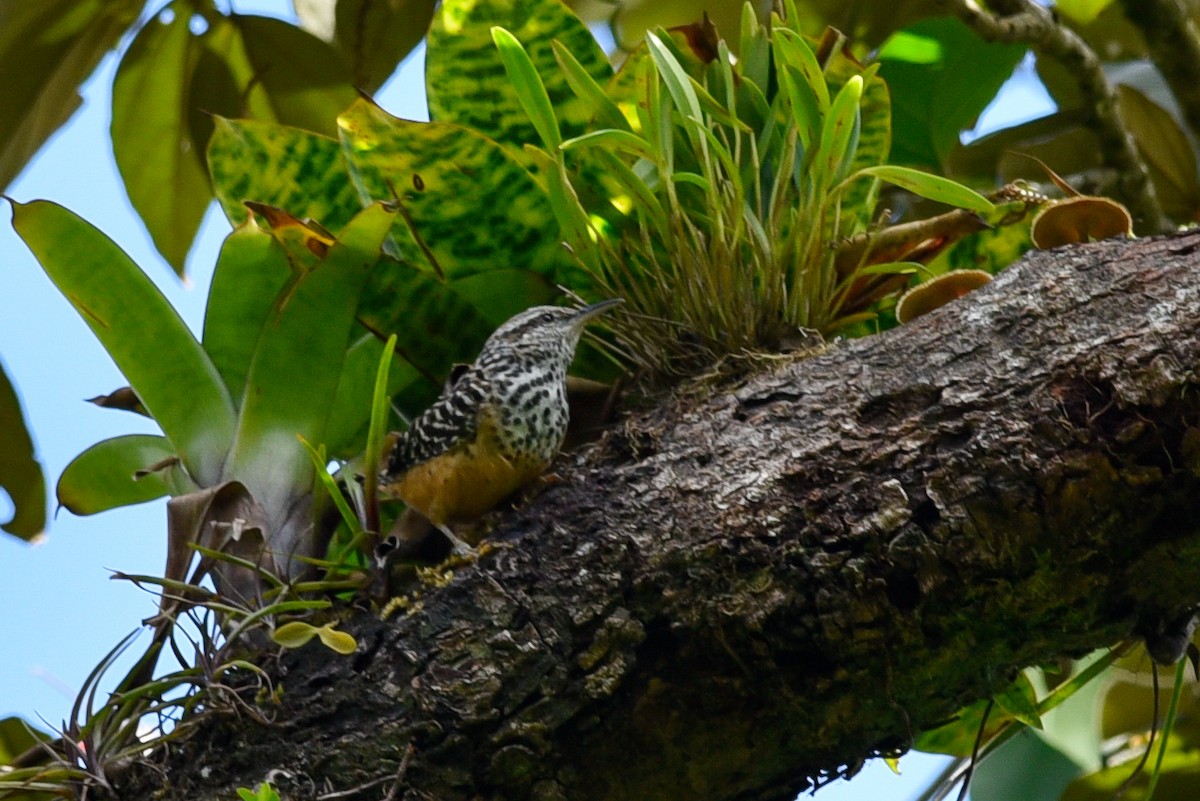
pixel 933 187
pixel 293 634
pixel 1081 12
pixel 336 640
pixel 294 170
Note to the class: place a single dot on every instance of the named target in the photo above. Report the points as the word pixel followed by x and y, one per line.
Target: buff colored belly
pixel 463 483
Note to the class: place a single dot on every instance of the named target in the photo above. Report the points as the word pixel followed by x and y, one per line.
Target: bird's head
pixel 550 328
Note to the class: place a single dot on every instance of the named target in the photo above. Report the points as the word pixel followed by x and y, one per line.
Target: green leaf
pixel 891 268
pixel 20 473
pixel 294 634
pixel 527 84
pixel 306 81
pixel 467 83
pixel 294 375
pixel 158 355
pixel 320 460
pixel 17 737
pixel 1020 702
pixel 793 51
pixel 499 294
pixel 47 50
pixel 348 417
pixel 834 154
pixel 587 88
pixel 874 142
pixel 803 101
pixel 268 70
pixel 941 76
pixel 641 198
pixel 1167 152
pixel 222 85
pixel 251 271
pixel 152 144
pixel 958 737
pixel 338 641
pixel 675 78
pixel 472 205
pixel 1178 778
pixel 376 35
pixel 111 474
pixel 435 327
pixel 754 49
pixel 297 633
pixel 933 187
pixel 264 792
pixel 283 167
pixel 377 434
pixel 625 141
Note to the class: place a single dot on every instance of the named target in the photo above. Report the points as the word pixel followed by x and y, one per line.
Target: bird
pixel 496 427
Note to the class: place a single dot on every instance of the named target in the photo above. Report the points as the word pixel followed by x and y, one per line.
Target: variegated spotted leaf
pixel 465 78
pixel 499 294
pixel 283 167
pixel 434 325
pixel 468 206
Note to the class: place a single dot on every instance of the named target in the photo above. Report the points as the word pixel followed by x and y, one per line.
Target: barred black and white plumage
pixel 499 424
pixel 450 420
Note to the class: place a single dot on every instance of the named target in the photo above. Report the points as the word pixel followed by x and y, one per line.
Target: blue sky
pixel 64 612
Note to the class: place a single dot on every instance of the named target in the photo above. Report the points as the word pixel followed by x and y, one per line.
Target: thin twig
pixel 401 772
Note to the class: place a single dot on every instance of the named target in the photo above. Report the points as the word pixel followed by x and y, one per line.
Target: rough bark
pixel 750 586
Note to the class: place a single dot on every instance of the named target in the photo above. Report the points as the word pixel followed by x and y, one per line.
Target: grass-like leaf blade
pixel 531 92
pixel 933 187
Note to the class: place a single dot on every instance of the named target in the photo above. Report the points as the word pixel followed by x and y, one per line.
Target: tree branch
pixel 747 588
pixel 1029 23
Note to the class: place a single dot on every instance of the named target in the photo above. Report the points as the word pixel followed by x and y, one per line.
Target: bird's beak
pixel 588 312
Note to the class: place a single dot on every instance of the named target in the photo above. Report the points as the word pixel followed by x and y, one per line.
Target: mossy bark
pixel 749 587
